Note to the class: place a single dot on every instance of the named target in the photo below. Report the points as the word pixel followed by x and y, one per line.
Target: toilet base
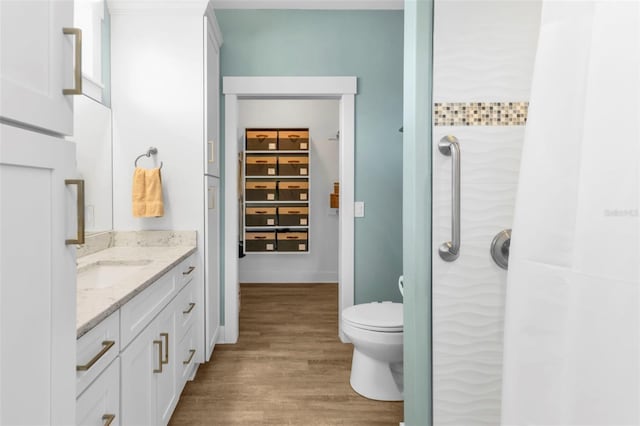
pixel 376 379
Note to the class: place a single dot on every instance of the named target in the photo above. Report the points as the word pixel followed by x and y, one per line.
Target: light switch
pixel 359 209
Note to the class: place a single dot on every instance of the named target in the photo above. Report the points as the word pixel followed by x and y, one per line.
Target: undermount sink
pixel 106 273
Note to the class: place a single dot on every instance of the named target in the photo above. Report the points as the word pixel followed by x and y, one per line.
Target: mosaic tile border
pixel 480 113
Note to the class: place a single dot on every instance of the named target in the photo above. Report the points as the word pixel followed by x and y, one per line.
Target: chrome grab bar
pixel 450 250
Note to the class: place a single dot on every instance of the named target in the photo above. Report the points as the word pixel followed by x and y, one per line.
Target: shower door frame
pixel 343 89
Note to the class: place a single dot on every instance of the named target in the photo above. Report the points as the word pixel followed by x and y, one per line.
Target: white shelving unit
pixel 274 203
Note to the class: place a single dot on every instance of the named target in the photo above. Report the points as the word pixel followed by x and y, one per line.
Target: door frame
pixel 343 89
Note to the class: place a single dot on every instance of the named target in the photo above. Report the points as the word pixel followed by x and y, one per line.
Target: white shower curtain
pixel 572 327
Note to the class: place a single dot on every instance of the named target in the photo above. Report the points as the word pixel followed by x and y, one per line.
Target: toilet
pixel 376 330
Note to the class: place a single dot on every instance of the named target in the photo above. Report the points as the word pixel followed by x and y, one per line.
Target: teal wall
pixel 365 44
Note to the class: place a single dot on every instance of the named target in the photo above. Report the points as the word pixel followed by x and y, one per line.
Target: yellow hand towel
pixel 147 193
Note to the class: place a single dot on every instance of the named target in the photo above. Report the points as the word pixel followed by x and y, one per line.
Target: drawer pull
pixel 106 345
pixel 191 306
pixel 261 186
pixel 291 238
pixel 108 419
pixel 294 137
pixel 260 237
pixel 294 187
pixel 159 343
pixel 192 352
pixel 165 336
pixel 262 137
pixel 293 212
pixel 261 161
pixel 80 211
pixel 188 271
pixel 293 162
pixel 77 67
pixel 261 212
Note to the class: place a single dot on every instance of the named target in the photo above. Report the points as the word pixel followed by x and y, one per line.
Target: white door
pixel 36 63
pixel 167 380
pixel 212 102
pixel 212 266
pixel 138 384
pixel 37 279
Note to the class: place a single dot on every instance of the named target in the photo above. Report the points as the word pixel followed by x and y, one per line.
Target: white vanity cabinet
pixel 133 365
pixel 152 367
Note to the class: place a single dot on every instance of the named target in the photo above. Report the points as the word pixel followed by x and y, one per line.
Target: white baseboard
pixel 294 277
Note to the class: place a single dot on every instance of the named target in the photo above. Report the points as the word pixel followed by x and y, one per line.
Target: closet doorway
pixel 236 90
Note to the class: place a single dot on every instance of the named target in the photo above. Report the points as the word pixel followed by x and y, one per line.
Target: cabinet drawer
pixel 260 190
pixel 261 216
pixel 139 311
pixel 260 241
pixel 186 357
pixel 185 271
pixel 293 139
pixel 96 349
pixel 186 309
pixel 292 241
pixel 293 190
pixel 262 140
pixel 100 402
pixel 261 165
pixel 293 216
pixel 292 165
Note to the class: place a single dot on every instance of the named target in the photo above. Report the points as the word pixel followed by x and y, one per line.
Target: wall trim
pixel 342 88
pixel 157 7
pixel 299 87
pixel 310 4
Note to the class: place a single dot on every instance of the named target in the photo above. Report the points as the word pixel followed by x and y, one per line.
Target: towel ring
pixel 150 151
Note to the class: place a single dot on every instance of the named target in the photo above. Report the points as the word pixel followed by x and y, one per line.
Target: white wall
pixel 157 100
pixel 321 263
pixel 483 52
pixel 92 134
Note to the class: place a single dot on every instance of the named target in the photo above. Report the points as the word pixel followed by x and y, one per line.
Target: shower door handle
pixel 450 250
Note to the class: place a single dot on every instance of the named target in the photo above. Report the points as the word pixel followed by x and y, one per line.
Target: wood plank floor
pixel 288 367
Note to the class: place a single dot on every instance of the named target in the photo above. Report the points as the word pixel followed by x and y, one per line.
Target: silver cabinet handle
pixel 80 210
pixel 189 270
pixel 450 250
pixel 77 69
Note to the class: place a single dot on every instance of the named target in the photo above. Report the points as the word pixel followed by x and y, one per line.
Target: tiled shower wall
pixel 483 61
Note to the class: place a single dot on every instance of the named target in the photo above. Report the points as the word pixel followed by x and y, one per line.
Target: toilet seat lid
pixel 385 316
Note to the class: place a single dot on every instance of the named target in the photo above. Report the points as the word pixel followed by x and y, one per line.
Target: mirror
pixel 92 134
pixel 92 115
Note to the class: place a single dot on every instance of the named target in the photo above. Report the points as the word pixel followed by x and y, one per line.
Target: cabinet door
pixel 212 266
pixel 37 279
pixel 36 63
pixel 138 386
pixel 166 382
pixel 212 101
pixel 100 402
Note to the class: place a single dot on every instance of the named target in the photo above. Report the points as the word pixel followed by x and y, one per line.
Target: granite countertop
pixel 109 278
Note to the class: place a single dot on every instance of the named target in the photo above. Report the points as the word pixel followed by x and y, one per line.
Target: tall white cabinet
pixel 164 92
pixel 37 215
